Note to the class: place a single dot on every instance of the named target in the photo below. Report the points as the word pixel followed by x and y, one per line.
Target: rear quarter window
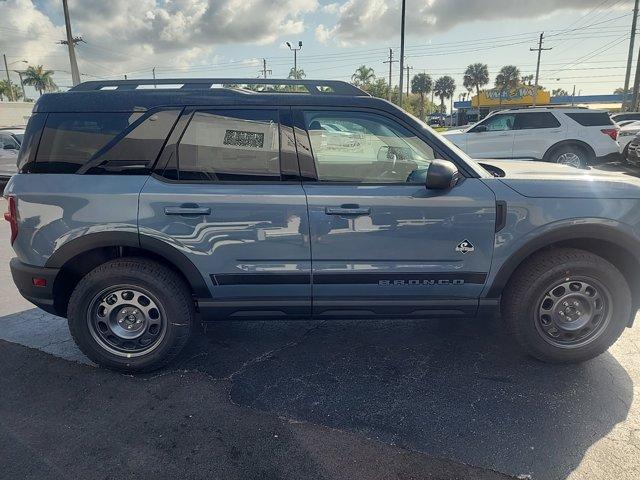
pixel 591 119
pixel 69 140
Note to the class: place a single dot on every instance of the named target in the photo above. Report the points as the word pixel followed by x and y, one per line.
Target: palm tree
pixel 40 78
pixel 363 75
pixel 527 79
pixel 10 91
pixel 297 74
pixel 559 92
pixel 476 76
pixel 444 88
pixel 507 79
pixel 422 85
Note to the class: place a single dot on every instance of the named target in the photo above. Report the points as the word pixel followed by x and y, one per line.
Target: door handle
pixel 187 210
pixel 348 211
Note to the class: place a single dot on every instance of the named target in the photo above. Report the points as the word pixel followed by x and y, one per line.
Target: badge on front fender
pixel 465 246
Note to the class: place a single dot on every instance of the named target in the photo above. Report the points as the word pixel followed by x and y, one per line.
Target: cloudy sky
pixel 217 38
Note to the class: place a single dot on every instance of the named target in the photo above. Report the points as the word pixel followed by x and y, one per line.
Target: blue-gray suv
pixel 142 208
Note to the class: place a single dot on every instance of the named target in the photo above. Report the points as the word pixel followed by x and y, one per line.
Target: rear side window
pixel 230 145
pixel 69 140
pixel 533 120
pixel 591 119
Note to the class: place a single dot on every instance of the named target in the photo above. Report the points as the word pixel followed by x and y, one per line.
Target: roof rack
pixel 313 87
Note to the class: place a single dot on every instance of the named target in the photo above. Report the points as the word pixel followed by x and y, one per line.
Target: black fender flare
pixel 92 241
pixel 610 234
pixel 573 141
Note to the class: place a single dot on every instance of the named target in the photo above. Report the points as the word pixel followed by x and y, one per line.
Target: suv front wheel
pixel 131 315
pixel 566 305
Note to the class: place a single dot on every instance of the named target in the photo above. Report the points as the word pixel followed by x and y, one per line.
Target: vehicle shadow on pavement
pixel 456 389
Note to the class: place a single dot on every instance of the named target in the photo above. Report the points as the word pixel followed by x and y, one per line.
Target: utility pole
pixel 539 50
pixel 636 86
pixel 264 68
pixel 391 61
pixel 6 68
pixel 627 76
pixel 408 82
pixel 71 43
pixel 404 5
pixel 153 73
pixel 24 95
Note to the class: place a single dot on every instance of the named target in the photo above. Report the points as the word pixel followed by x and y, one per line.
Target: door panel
pixel 248 239
pixel 401 257
pixel 381 242
pixel 490 144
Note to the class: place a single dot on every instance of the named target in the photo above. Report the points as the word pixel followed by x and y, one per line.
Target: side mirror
pixel 442 175
pixel 480 128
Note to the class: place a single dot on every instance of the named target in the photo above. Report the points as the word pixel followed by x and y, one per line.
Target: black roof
pixel 141 95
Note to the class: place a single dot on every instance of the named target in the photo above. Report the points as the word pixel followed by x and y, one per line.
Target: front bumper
pixel 23 276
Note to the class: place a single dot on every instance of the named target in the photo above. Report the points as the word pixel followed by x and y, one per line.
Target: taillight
pixel 11 216
pixel 612 132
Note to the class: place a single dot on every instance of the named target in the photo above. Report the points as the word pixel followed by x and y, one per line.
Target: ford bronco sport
pixel 143 207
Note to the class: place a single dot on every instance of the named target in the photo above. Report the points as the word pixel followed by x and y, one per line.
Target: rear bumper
pixel 23 276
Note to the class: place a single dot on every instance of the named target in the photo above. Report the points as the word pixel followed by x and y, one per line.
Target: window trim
pixel 491 117
pixel 172 145
pixel 308 167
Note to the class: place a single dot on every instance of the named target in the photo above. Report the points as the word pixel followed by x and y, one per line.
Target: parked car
pixel 174 206
pixel 621 117
pixel 570 136
pixel 625 135
pixel 633 153
pixel 10 141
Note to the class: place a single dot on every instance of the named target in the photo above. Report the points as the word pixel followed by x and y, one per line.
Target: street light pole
pixel 6 68
pixel 295 55
pixel 401 53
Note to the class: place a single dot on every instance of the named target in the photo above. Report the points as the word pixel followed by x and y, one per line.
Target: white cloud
pixel 126 35
pixel 362 20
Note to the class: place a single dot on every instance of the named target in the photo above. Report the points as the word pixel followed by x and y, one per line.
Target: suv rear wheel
pixel 566 305
pixel 571 155
pixel 131 315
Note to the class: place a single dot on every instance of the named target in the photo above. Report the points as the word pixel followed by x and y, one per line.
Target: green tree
pixel 363 75
pixel 378 88
pixel 476 76
pixel 422 85
pixel 297 74
pixel 9 91
pixel 507 79
pixel 527 79
pixel 40 79
pixel 559 92
pixel 618 91
pixel 444 88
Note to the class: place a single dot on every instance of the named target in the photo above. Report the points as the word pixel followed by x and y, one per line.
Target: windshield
pixel 19 137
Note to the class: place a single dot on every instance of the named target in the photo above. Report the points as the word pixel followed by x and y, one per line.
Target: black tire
pixel 97 336
pixel 527 315
pixel 557 154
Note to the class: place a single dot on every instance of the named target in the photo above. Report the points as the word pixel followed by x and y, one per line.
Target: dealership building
pixel 494 99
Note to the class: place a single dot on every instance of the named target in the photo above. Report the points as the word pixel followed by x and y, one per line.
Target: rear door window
pixel 535 120
pixel 591 119
pixel 230 145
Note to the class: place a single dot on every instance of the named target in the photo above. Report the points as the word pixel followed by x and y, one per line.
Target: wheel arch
pixel 612 244
pixel 571 141
pixel 78 257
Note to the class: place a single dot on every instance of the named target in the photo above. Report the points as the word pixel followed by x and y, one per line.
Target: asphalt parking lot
pixel 441 399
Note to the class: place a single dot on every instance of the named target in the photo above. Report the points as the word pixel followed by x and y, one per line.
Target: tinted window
pixel 26 157
pixel 230 145
pixel 498 123
pixel 591 119
pixel 526 121
pixel 69 140
pixel 368 148
pixel 8 140
pixel 138 149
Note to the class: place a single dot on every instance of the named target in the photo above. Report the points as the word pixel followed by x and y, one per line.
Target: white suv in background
pixel 570 136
